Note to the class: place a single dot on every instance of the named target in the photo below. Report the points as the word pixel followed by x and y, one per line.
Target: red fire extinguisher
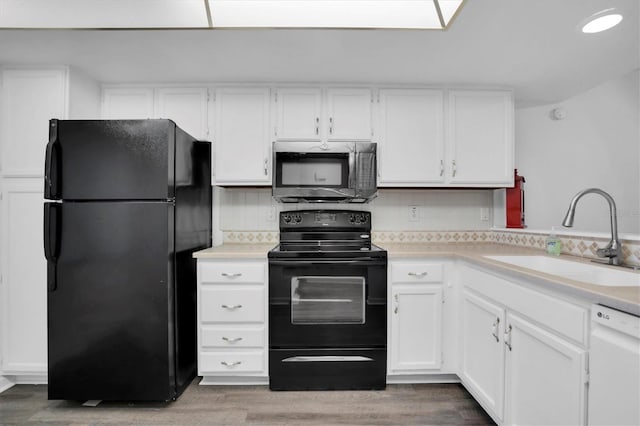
pixel 515 202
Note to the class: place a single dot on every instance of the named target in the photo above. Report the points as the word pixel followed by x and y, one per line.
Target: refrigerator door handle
pixel 51 169
pixel 52 216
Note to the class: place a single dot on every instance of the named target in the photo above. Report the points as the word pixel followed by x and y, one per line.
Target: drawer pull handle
pixel 418 274
pixel 507 337
pixel 495 329
pixel 232 307
pixel 232 275
pixel 230 364
pixel 231 339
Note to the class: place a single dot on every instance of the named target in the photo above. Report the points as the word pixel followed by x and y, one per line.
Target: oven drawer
pixel 416 272
pixel 232 337
pixel 330 369
pixel 231 362
pixel 232 303
pixel 235 272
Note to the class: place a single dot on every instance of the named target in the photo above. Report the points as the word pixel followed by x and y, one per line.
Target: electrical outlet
pixel 414 213
pixel 484 214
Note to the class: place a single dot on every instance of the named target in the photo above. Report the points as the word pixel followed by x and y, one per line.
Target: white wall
pixel 243 209
pixel 596 145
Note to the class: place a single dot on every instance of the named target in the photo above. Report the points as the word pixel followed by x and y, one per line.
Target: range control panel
pixel 347 219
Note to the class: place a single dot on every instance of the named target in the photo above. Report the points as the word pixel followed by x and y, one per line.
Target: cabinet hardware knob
pixel 230 364
pixel 441 167
pixel 231 339
pixel 507 337
pixel 266 163
pixel 454 168
pixel 231 307
pixel 418 274
pixel 232 274
pixel 496 325
pixel 317 125
pixel 331 125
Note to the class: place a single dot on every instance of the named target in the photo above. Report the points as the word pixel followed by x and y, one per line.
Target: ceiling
pixel 532 46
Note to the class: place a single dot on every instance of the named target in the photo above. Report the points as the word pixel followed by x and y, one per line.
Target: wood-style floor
pixel 424 404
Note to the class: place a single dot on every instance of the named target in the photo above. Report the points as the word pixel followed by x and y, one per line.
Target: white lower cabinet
pixel 528 366
pixel 232 321
pixel 545 376
pixel 415 318
pixel 482 360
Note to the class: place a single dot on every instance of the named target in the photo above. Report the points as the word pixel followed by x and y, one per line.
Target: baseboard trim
pixel 422 378
pixel 233 381
pixel 5 384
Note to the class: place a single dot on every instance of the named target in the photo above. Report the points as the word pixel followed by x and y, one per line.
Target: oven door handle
pixel 327 358
pixel 362 261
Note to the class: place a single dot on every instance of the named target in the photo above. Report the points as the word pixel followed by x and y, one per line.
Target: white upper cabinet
pixel 30 98
pixel 187 107
pixel 410 137
pixel 127 103
pixel 242 145
pixel 480 138
pixel 349 114
pixel 298 114
pixel 315 114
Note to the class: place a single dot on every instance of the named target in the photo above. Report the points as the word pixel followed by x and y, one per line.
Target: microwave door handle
pixel 352 170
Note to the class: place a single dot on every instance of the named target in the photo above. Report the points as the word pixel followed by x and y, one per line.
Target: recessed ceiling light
pixel 602 21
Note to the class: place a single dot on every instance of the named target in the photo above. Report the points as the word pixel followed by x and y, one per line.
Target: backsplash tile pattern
pixel 249 215
pixel 582 246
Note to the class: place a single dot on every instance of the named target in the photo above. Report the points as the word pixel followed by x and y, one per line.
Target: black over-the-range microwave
pixel 315 172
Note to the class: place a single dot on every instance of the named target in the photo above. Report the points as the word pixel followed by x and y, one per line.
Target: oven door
pixel 328 303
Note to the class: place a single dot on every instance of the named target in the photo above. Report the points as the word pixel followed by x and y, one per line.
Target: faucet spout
pixel 613 250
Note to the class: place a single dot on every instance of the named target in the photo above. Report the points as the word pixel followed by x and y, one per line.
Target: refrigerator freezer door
pixel 110 322
pixel 110 160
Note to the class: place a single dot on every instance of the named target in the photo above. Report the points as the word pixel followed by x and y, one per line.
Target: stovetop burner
pixel 326 233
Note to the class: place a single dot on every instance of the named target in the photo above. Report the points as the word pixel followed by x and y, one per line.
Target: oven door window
pixel 330 170
pixel 327 300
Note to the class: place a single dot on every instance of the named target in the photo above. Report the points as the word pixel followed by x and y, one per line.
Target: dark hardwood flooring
pixel 424 404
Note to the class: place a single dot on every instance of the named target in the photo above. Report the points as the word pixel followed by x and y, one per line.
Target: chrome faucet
pixel 613 250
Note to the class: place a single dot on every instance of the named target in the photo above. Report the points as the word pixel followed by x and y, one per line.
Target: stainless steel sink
pixel 585 272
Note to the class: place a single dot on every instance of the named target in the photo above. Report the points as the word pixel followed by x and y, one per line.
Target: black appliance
pixel 132 203
pixel 327 303
pixel 336 172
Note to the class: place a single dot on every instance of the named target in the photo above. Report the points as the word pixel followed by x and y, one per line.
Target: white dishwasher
pixel 614 366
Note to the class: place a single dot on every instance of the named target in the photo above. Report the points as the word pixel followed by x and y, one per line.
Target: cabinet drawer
pixel 416 272
pixel 232 337
pixel 231 362
pixel 228 272
pixel 232 303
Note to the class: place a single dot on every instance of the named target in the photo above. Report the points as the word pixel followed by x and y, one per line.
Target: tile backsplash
pixel 243 209
pixel 442 216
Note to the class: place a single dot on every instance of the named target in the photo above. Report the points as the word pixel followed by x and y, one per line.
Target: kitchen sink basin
pixel 585 272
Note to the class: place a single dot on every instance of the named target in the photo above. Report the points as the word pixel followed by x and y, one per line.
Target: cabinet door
pixel 480 138
pixel 298 114
pixel 30 98
pixel 545 377
pixel 242 136
pixel 349 114
pixel 187 107
pixel 416 323
pixel 127 103
pixel 482 360
pixel 410 149
pixel 23 294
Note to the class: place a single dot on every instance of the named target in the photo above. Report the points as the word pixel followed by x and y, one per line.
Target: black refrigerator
pixel 130 203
